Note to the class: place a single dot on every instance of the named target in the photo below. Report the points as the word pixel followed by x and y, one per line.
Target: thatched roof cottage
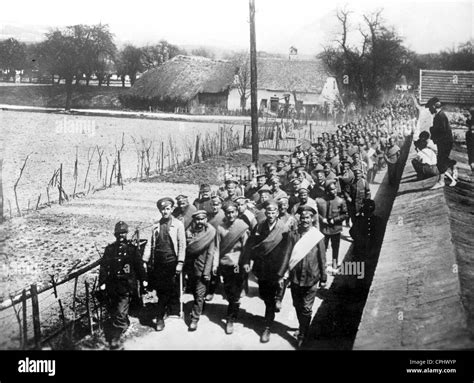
pixel 185 83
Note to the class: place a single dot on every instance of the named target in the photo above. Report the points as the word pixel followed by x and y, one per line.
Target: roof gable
pixel 451 87
pixel 291 75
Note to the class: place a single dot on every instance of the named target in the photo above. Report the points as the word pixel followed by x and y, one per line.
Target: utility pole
pixel 253 84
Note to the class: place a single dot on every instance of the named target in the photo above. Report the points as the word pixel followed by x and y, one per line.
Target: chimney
pixel 293 53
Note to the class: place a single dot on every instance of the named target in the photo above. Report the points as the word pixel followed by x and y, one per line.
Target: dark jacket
pixel 441 131
pixel 358 191
pixel 335 209
pixel 120 267
pixel 200 265
pixel 271 266
pixel 312 268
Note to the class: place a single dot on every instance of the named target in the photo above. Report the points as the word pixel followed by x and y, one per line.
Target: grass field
pixel 54 139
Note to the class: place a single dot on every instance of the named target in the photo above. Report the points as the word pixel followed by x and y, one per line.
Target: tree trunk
pixel 52 79
pixel 123 81
pixel 243 102
pixel 68 93
pixel 133 77
pixel 108 80
pixel 88 79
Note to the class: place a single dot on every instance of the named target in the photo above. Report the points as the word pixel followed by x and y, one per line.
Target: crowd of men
pixel 276 223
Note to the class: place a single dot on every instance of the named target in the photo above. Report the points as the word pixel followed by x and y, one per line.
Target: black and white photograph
pixel 237 175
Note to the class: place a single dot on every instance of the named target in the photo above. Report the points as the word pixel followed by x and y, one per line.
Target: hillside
pixel 84 97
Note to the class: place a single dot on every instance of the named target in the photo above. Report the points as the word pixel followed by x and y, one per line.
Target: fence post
pixel 196 152
pixel 311 132
pixel 61 310
pixel 25 323
pixel 220 139
pixel 245 136
pixel 36 316
pixel 88 309
pixel 61 184
pixel 74 307
pixel 162 156
pixel 277 140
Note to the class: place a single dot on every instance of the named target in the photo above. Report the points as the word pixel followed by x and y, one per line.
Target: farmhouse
pixel 451 87
pixel 303 83
pixel 185 83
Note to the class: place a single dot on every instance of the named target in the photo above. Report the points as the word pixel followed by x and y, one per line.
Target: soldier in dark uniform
pixel 200 252
pixel 306 267
pixel 359 190
pixel 442 136
pixel 267 248
pixel 332 213
pixel 366 228
pixel 244 213
pixel 204 202
pixel 184 211
pixel 120 268
pixel 165 257
pixel 319 188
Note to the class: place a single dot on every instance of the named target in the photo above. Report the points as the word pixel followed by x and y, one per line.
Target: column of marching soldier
pixel 276 224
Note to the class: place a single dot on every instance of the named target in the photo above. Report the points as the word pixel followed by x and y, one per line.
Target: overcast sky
pixel 427 26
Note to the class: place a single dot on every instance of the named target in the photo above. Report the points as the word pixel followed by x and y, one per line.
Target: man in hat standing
pixel 366 229
pixel 120 267
pixel 442 136
pixel 391 156
pixel 277 192
pixel 291 224
pixel 231 238
pixel 200 252
pixel 306 267
pixel 252 193
pixel 319 188
pixel 203 202
pixel 230 190
pixel 184 211
pixel 244 212
pixel 215 218
pixel 303 200
pixel 267 248
pixel 166 253
pixel 470 138
pixel 332 213
pixel 288 219
pixel 265 194
pixel 359 190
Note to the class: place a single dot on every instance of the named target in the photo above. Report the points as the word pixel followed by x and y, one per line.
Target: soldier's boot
pixel 265 337
pixel 278 305
pixel 193 325
pixel 114 344
pixel 160 325
pixel 229 327
pixel 305 322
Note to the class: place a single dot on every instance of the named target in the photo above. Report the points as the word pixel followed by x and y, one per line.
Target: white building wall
pixel 329 93
pixel 330 90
